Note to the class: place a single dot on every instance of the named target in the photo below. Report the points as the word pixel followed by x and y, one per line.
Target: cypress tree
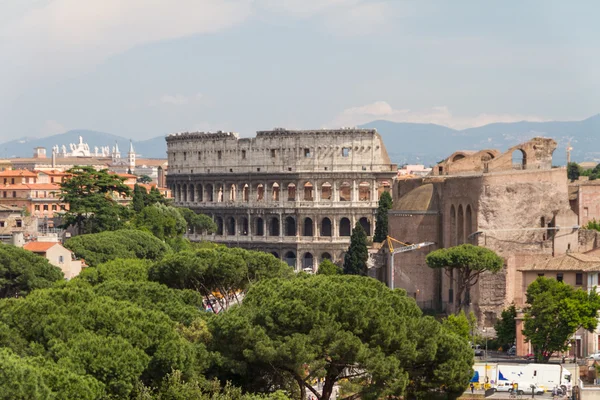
pixel 381 227
pixel 355 260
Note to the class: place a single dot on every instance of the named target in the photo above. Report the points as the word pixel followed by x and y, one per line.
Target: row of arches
pixel 306 261
pixel 461 224
pixel 306 191
pixel 272 226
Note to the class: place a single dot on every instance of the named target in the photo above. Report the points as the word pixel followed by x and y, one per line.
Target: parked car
pixel 512 351
pixel 479 352
pixel 595 356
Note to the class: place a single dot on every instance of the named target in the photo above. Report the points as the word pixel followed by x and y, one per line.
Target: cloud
pixel 78 33
pixel 436 115
pixel 179 99
pixel 52 127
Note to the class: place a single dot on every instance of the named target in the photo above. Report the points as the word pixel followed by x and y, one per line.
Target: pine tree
pixel 381 224
pixel 139 198
pixel 355 261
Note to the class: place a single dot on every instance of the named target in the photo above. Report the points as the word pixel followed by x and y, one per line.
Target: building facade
pixel 296 194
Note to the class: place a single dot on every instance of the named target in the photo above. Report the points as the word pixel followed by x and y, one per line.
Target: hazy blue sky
pixel 143 68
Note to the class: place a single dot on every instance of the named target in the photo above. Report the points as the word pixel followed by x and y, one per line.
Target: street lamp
pixel 486 338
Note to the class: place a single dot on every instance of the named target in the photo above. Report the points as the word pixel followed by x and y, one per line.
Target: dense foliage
pixel 381 218
pixel 22 271
pixel 326 267
pixel 465 263
pixel 355 259
pixel 506 327
pixel 554 313
pixel 92 198
pixel 574 171
pixel 98 248
pixel 287 333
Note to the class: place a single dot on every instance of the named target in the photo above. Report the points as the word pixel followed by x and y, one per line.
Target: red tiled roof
pixel 39 247
pixel 17 172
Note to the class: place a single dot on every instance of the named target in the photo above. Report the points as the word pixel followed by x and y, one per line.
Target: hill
pixel 407 143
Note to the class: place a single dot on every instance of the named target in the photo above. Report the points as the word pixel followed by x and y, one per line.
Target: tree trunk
pixel 301 387
pixel 327 388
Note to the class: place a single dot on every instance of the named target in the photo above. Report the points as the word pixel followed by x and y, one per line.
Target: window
pixel 14 194
pixel 2 224
pixel 307 153
pixel 51 180
pixel 243 154
pixel 174 156
pixel 559 277
pixel 450 296
pixel 45 207
pixel 4 194
pixel 199 156
pixel 19 223
pixel 272 153
pixel 61 259
pixel 36 207
pixel 230 169
pixel 579 278
pixel 345 151
pixel 5 181
pixel 289 168
pixel 184 155
pixel 12 180
pixel 364 168
pixel 257 169
pixel 53 207
pixel 219 154
pixel 62 207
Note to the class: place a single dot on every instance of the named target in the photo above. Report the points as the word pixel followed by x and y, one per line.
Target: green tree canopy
pixel 506 327
pixel 326 267
pixel 381 218
pixel 144 179
pixel 164 222
pixel 336 327
pixel 92 199
pixel 355 260
pixel 465 263
pixel 554 313
pixel 22 271
pixel 574 171
pixel 198 223
pixel 99 248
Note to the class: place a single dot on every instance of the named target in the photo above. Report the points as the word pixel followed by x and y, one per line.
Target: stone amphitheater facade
pixel 293 193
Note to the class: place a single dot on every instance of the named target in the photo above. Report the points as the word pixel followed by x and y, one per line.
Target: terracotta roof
pixel 63 161
pixel 39 247
pixel 18 172
pixel 53 172
pixel 30 186
pixel 150 162
pixel 565 262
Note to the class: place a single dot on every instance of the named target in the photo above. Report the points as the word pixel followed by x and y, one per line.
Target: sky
pixel 145 68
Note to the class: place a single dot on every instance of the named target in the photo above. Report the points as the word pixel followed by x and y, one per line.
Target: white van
pixel 528 387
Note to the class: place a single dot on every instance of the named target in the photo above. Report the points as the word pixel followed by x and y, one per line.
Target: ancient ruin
pixel 294 193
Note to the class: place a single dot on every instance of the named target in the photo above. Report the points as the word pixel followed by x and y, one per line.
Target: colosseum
pixel 293 193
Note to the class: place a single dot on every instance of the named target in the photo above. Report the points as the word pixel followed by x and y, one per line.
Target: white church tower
pixel 116 154
pixel 131 157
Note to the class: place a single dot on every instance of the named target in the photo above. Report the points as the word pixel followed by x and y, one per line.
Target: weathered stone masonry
pixel 296 194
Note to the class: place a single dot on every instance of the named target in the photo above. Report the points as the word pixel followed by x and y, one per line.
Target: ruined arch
pixel 275 254
pixel 458 157
pixel 275 191
pixel 345 227
pixel 246 193
pixel 519 159
pixel 325 227
pixel 220 193
pixel 290 226
pixel 469 228
pixel 308 228
pixel 308 260
pixel 460 225
pixel 364 191
pixel 345 192
pixel 232 192
pixel 366 225
pixel 260 192
pixel 326 256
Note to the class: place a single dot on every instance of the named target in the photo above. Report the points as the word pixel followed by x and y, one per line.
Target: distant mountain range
pixel 406 143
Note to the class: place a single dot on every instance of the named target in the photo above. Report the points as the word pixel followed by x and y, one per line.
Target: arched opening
pixel 364 191
pixel 308 191
pixel 290 226
pixel 458 157
pixel 307 261
pixel 291 189
pixel 366 225
pixel 244 226
pixel 452 226
pixel 220 194
pixel 178 193
pixel 326 227
pixel 232 193
pixel 259 228
pixel 308 227
pixel 325 256
pixel 290 259
pixel 200 193
pixel 260 192
pixel 275 254
pixel 219 222
pixel 192 193
pixel 384 186
pixel 231 226
pixel 519 159
pixel 345 228
pixel 468 222
pixel 275 192
pixel 326 191
pixel 209 193
pixel 460 225
pixel 184 191
pixel 246 193
pixel 345 192
pixel 274 227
